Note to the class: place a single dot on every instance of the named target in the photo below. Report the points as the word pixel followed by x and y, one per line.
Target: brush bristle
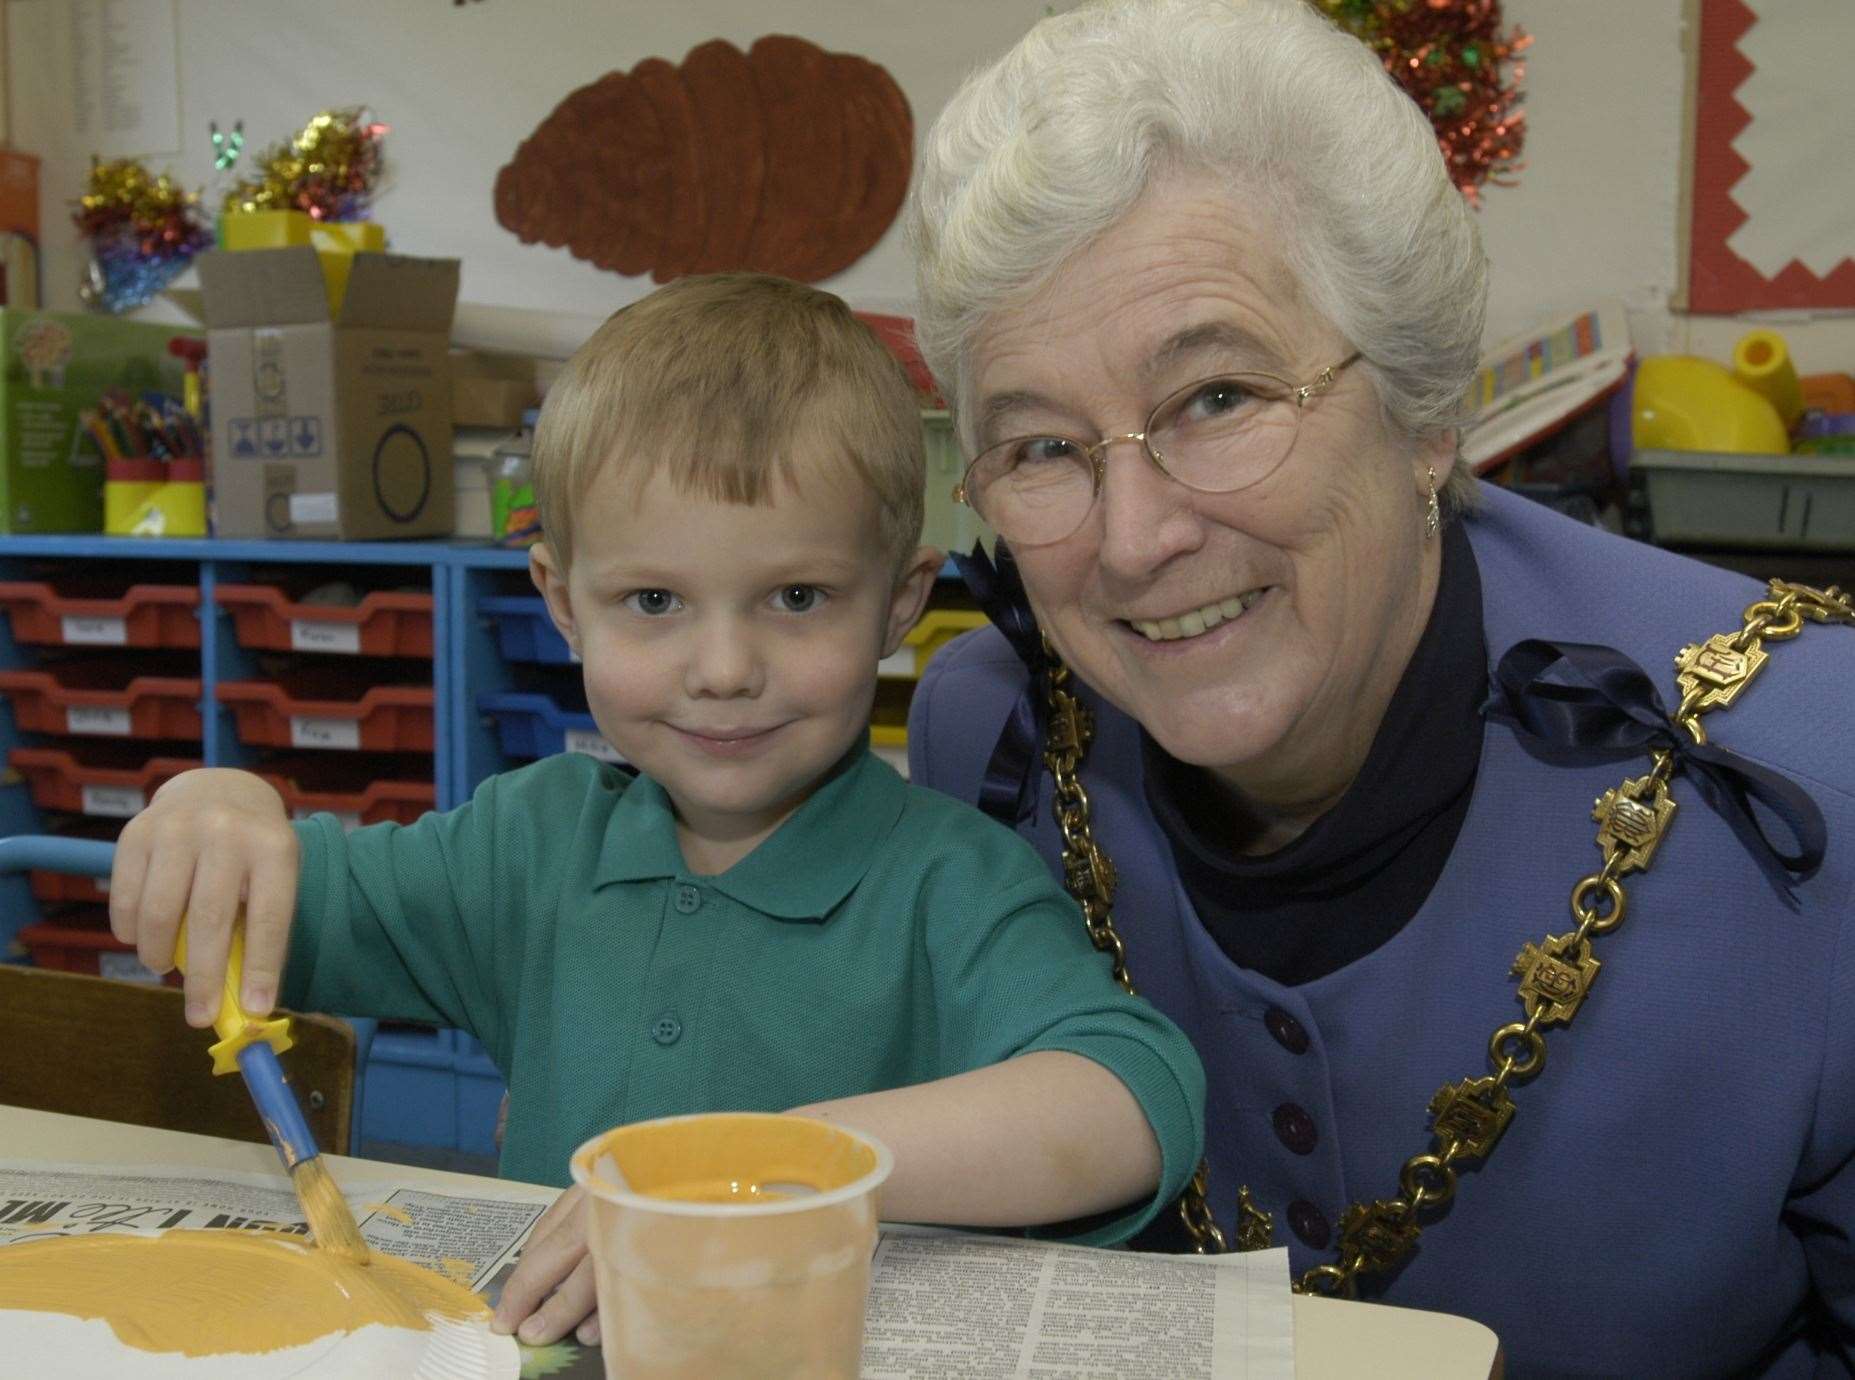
pixel 330 1222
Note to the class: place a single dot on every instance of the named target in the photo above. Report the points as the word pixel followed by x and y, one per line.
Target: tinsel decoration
pixel 332 169
pixel 1454 61
pixel 143 231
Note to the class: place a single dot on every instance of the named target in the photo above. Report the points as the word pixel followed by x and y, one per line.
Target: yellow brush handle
pixel 235 1027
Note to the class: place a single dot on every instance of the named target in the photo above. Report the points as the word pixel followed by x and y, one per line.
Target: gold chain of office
pixel 1466 1117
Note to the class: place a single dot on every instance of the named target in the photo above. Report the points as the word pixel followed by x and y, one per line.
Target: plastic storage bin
pixel 524 631
pixel 103 699
pixel 142 616
pixel 384 623
pixel 83 944
pixel 309 784
pixel 1781 502
pixel 530 724
pixel 105 781
pixel 431 1087
pixel 313 712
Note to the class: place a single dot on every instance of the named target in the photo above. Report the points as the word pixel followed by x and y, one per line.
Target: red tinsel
pixel 1455 62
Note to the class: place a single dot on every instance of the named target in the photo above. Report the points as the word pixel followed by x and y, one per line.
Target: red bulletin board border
pixel 1718 279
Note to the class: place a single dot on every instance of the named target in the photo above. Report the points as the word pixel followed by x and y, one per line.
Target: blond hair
pixel 733 380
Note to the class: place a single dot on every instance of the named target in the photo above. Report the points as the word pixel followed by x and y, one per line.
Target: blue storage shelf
pixel 524 630
pixel 530 724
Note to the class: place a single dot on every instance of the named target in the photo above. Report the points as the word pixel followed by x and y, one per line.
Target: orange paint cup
pixel 731 1244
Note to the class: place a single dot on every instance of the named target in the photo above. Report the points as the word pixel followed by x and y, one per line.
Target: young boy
pixel 764 917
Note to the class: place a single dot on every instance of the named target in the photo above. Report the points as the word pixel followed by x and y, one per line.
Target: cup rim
pixel 579 1165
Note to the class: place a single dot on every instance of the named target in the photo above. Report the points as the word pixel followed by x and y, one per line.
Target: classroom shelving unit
pixel 124 660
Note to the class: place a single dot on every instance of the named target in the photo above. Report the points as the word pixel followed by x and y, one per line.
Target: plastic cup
pixel 731 1244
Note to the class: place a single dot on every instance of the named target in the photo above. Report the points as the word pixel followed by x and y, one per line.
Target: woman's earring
pixel 1433 513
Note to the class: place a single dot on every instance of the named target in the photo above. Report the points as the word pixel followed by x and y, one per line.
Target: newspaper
pixel 474 1240
pixel 942 1305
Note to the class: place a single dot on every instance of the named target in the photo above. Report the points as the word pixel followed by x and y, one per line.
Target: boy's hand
pixel 555 1260
pixel 209 841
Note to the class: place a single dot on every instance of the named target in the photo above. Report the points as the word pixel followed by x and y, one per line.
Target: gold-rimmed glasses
pixel 1218 435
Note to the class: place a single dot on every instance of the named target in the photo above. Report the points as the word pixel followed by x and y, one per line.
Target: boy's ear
pixel 544 569
pixel 912 587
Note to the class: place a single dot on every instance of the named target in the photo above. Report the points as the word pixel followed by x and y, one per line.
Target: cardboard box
pixel 492 390
pixel 19 230
pixel 329 428
pixel 57 364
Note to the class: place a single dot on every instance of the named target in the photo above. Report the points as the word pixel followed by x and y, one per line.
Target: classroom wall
pixel 1595 212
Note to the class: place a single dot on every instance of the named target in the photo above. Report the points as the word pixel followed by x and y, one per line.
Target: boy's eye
pixel 798 598
pixel 652 602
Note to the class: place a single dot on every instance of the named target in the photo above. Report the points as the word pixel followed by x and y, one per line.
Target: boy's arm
pixel 1046 1137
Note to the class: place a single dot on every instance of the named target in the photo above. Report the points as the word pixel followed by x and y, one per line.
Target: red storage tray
pixel 320 712
pixel 357 792
pixel 82 943
pixel 101 780
pixel 54 887
pixel 143 616
pixel 384 623
pixel 100 699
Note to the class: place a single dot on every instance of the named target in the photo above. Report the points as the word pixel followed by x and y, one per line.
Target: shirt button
pixel 1295 1128
pixel 1309 1223
pixel 666 1029
pixel 1289 1033
pixel 688 899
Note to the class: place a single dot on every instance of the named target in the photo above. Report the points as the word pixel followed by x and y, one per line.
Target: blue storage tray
pixel 530 724
pixel 524 631
pixel 479 1088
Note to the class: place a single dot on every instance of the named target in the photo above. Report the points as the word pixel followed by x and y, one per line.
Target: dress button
pixel 1309 1223
pixel 1296 1128
pixel 688 899
pixel 1289 1033
pixel 666 1029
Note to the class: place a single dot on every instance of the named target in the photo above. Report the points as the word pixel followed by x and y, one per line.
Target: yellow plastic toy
pixel 1683 402
pixel 1762 362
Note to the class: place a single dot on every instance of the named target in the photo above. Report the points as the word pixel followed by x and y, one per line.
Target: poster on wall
pixel 1773 212
pixel 785 159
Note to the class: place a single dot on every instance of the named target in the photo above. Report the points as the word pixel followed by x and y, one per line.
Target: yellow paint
pixel 741 1191
pixel 326 1211
pixel 208 1293
pixel 397 1214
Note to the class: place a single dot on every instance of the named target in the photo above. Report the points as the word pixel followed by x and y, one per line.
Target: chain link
pixel 1466 1117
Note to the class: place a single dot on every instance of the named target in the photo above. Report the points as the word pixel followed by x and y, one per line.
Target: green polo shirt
pixel 884 935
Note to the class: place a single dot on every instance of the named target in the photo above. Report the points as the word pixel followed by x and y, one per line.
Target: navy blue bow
pixel 1009 792
pixel 1591 699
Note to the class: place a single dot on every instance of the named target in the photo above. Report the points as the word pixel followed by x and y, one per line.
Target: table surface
pixel 1333 1337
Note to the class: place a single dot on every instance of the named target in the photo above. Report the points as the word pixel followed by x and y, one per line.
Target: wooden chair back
pixel 123 1051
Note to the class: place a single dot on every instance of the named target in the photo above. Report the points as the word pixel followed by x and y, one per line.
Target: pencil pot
pixel 154 498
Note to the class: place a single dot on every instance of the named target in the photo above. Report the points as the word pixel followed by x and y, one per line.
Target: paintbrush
pixel 249 1045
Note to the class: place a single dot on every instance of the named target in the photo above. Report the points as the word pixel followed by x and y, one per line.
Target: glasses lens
pixel 1224 433
pixel 1032 489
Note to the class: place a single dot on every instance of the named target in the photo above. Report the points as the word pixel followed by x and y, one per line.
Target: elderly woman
pixel 1206 302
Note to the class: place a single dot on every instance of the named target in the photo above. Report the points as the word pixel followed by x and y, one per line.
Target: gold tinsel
pixel 330 170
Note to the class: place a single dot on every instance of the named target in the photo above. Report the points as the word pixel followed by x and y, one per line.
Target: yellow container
pixel 1683 402
pixel 1762 362
pixel 336 242
pixel 264 229
pixel 936 629
pixel 731 1243
pixel 136 509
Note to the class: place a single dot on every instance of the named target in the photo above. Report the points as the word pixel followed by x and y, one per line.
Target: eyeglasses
pixel 1216 436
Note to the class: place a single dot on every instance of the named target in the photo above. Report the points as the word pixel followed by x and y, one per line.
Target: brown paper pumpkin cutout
pixel 786 159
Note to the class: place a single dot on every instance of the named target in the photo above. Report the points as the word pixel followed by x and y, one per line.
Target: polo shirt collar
pixel 809 864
